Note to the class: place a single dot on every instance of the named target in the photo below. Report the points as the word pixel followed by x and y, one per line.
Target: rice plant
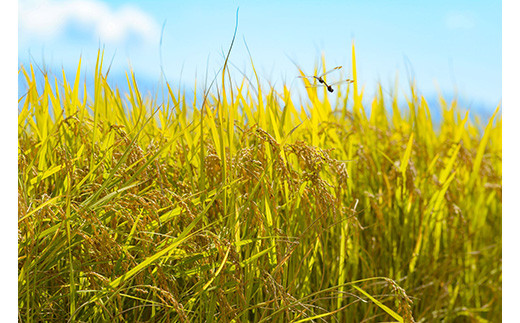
pixel 249 207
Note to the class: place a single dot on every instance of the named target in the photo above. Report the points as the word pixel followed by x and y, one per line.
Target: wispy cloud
pixel 50 19
pixel 459 20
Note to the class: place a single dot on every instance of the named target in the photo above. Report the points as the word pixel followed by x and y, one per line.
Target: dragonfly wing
pixel 316 85
pixel 329 71
pixel 311 77
pixel 348 81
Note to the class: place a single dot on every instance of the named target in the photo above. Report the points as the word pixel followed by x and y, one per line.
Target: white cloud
pixel 49 19
pixel 459 20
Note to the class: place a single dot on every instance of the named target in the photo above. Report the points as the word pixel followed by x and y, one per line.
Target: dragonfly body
pixel 324 83
pixel 320 79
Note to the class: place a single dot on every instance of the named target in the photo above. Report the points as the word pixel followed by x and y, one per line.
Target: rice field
pixel 247 206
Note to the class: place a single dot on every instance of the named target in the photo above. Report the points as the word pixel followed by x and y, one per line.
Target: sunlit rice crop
pixel 245 206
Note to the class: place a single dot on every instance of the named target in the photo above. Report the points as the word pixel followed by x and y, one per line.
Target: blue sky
pixel 451 46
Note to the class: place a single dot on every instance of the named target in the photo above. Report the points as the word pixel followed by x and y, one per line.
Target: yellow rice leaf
pixel 381 305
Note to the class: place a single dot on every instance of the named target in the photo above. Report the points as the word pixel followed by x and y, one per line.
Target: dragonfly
pixel 323 82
